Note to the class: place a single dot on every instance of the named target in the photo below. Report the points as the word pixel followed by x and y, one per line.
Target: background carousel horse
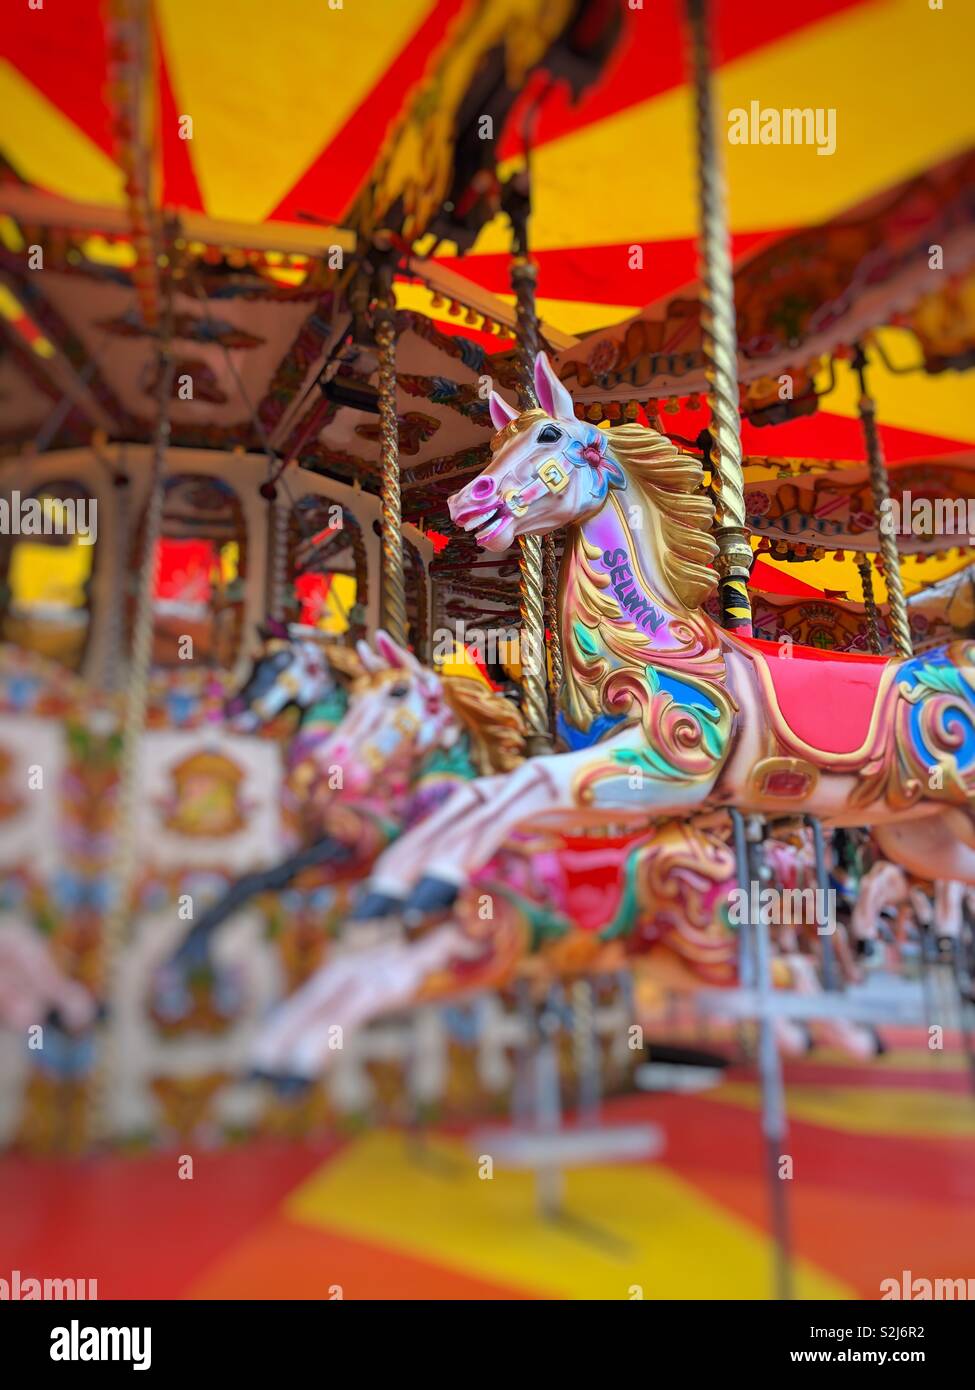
pixel 406 739
pixel 289 669
pixel 33 989
pixel 548 904
pixel 703 718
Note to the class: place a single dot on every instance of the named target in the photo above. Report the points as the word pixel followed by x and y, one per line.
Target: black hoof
pixel 431 895
pixel 286 1086
pixel 373 906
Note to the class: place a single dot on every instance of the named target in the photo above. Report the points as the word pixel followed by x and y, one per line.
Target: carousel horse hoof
pixel 431 895
pixel 286 1085
pixel 373 906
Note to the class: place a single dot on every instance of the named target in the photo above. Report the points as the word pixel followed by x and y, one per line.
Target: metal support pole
pixel 394 585
pixel 549 1184
pixel 870 604
pixel 830 974
pixel 720 341
pixel 550 568
pixel 585 1049
pixel 880 485
pixel 748 838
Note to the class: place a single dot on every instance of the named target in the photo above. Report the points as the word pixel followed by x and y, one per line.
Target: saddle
pixel 823 709
pixel 824 699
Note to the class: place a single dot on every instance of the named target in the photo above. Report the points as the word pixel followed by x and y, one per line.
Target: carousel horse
pixel 416 738
pixel 698 717
pixel 548 904
pixel 889 894
pixel 289 669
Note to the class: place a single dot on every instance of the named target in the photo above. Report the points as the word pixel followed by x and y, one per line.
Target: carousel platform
pixel 884 1180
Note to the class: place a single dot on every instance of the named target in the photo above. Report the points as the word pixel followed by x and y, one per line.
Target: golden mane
pixel 672 483
pixel 493 724
pixel 343 661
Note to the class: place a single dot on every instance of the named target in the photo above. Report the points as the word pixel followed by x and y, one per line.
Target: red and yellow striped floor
pixel 884 1180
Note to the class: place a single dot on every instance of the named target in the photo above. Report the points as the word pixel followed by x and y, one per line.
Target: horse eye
pixel 548 434
pixel 398 692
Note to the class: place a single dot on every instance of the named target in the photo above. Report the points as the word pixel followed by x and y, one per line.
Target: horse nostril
pixel 482 489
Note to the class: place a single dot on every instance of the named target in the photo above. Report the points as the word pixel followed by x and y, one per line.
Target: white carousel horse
pixel 705 718
pixel 657 900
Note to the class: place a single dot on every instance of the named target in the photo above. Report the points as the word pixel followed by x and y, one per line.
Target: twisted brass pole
pixel 869 604
pixel 123 868
pixel 550 572
pixel 720 341
pixel 531 604
pixel 394 585
pixel 880 486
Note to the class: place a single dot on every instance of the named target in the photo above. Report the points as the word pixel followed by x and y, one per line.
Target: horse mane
pixel 673 483
pixel 493 724
pixel 343 662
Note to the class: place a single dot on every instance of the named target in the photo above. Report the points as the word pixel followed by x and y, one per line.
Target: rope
pixel 720 341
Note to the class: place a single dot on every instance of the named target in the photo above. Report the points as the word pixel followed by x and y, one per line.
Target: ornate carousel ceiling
pixel 252 139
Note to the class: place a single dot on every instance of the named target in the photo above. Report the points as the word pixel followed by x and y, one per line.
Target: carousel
pixel 455 722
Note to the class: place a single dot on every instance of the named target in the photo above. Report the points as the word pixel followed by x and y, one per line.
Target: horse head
pixel 402 713
pixel 548 469
pixel 287 669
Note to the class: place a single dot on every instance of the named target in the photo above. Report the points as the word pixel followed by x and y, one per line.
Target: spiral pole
pixel 869 604
pixel 394 584
pixel 720 340
pixel 550 576
pixel 534 705
pixel 880 487
pixel 123 868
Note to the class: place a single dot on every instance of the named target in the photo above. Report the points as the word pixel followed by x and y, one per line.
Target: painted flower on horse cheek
pixel 593 450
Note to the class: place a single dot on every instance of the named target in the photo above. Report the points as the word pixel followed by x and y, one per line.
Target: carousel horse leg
pixel 422 872
pixel 194 951
pixel 300 1034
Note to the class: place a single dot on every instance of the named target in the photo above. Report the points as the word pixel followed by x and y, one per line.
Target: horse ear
pixel 368 657
pixel 552 395
pixel 394 655
pixel 501 412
